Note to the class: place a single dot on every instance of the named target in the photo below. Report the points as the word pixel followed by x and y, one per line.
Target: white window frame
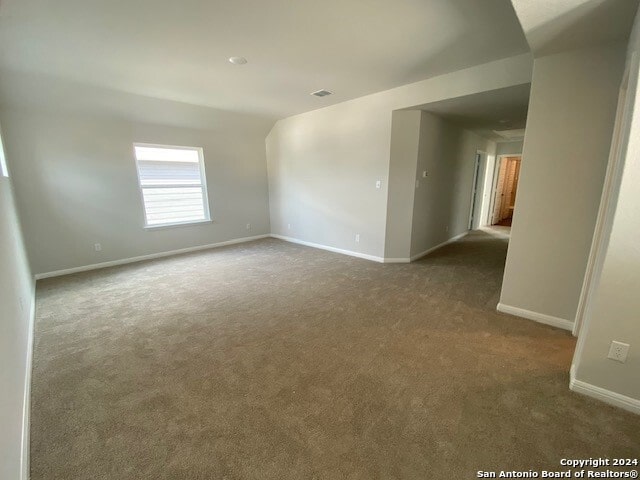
pixel 203 178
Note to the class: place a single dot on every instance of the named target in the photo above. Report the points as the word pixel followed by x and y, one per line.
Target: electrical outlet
pixel 618 351
pixel 248 226
pixel 357 238
pixel 97 247
pixel 378 183
pixel 288 226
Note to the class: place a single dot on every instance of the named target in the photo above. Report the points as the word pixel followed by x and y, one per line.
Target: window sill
pixel 173 225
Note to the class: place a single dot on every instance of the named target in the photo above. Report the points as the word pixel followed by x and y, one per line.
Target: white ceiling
pixel 483 113
pixel 178 50
pixel 552 26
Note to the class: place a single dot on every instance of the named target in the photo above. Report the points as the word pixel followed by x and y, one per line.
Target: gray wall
pixel 569 127
pixel 612 309
pixel 442 200
pixel 75 176
pixel 405 147
pixel 323 165
pixel 16 303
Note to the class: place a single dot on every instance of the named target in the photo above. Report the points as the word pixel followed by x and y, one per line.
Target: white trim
pixel 151 256
pixel 4 171
pixel 366 256
pixel 26 404
pixel 474 187
pixel 432 249
pixel 481 165
pixel 203 185
pixel 538 317
pixel 397 260
pixel 608 199
pixel 177 224
pixel 494 185
pixel 494 188
pixel 604 395
pixel 328 248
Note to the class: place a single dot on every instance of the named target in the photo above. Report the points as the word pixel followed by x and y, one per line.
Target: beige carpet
pixel 270 360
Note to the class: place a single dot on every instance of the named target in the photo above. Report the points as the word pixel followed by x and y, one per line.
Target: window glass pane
pixel 164 154
pixel 172 183
pixel 153 172
pixel 173 205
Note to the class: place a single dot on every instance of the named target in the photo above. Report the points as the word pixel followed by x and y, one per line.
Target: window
pixel 3 161
pixel 173 185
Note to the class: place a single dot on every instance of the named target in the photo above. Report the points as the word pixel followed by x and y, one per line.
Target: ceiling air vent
pixel 321 93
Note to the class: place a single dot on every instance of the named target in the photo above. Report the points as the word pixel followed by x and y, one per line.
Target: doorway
pixel 505 189
pixel 481 190
pixel 475 193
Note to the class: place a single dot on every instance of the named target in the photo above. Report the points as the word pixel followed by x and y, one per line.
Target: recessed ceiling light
pixel 238 60
pixel 321 93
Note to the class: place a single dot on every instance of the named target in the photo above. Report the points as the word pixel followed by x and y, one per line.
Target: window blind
pixel 172 184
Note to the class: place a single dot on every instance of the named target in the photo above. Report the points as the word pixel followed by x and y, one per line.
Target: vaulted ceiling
pixel 179 50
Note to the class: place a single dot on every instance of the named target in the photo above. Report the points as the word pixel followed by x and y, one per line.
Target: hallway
pixel 273 360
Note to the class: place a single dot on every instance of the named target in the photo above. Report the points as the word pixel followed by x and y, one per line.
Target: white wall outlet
pixel 424 174
pixel 378 183
pixel 288 226
pixel 248 226
pixel 357 238
pixel 417 183
pixel 618 351
pixel 97 247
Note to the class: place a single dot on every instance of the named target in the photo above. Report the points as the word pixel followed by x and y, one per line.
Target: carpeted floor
pixel 505 222
pixel 269 360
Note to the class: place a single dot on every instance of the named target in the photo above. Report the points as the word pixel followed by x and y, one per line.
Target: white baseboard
pixel 151 256
pixel 607 396
pixel 124 261
pixel 396 260
pixel 328 248
pixel 26 406
pixel 365 255
pixel 432 249
pixel 538 317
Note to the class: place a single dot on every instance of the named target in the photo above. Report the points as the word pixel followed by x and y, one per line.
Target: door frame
pixel 494 183
pixel 474 186
pixel 610 190
pixel 479 187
